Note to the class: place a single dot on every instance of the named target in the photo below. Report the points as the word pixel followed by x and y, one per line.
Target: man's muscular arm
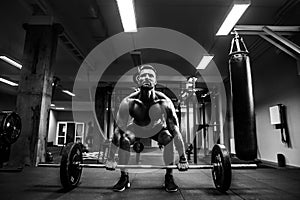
pixel 121 121
pixel 173 127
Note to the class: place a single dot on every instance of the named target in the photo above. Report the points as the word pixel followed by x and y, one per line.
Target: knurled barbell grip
pixel 147 166
pixel 233 166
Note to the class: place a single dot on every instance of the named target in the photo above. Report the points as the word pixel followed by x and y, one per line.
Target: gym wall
pixel 56 116
pixel 275 81
pixel 7 102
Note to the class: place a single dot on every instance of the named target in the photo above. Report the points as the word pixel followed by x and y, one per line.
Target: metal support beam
pixel 188 121
pixel 279 46
pixel 283 40
pixel 195 131
pixel 258 29
pixel 276 32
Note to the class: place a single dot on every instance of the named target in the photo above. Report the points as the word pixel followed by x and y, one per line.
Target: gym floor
pixel 43 183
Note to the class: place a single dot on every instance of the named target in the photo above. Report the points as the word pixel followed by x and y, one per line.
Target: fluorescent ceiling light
pixel 10 61
pixel 58 108
pixel 52 104
pixel 8 82
pixel 127 14
pixel 69 93
pixel 236 12
pixel 204 61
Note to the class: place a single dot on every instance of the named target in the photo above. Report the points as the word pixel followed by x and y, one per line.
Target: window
pixel 69 132
pixel 61 133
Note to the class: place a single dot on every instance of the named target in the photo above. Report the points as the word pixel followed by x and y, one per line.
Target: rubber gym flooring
pixel 43 183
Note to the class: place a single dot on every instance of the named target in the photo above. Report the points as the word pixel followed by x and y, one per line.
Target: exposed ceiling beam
pixel 276 44
pixel 258 29
pixel 282 39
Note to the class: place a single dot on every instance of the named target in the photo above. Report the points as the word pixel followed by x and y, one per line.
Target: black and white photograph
pixel 150 99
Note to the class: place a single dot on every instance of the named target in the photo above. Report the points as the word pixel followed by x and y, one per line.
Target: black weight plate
pixel 70 171
pixel 10 127
pixel 221 170
pixel 138 147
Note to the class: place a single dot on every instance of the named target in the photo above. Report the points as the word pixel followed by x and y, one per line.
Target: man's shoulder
pixel 130 97
pixel 133 95
pixel 126 101
pixel 162 96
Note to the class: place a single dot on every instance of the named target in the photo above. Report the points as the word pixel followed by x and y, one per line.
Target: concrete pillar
pixel 220 118
pixel 34 93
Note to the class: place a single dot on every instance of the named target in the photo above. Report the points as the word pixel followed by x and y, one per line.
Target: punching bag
pixel 242 100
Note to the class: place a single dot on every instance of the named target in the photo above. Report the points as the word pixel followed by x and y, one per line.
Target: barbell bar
pixel 233 166
pixel 72 164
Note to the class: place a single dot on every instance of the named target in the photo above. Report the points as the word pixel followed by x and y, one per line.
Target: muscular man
pixel 147 114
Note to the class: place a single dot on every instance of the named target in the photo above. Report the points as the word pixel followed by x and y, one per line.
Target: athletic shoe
pixel 170 185
pixel 122 184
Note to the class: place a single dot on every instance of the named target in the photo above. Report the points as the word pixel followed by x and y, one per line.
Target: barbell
pixel 100 166
pixel 72 164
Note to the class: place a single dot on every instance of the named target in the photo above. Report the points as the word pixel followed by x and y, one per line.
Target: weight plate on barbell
pixel 70 171
pixel 138 147
pixel 10 127
pixel 221 170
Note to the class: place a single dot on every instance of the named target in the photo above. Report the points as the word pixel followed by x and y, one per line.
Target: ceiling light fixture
pixel 58 108
pixel 237 9
pixel 11 61
pixel 8 82
pixel 69 93
pixel 205 61
pixel 127 14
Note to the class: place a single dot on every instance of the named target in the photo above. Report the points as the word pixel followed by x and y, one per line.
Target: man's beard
pixel 147 87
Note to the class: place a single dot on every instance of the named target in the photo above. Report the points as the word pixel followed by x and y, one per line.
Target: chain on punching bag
pixel 242 100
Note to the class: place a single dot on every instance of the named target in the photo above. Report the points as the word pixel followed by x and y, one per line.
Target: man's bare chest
pixel 144 113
